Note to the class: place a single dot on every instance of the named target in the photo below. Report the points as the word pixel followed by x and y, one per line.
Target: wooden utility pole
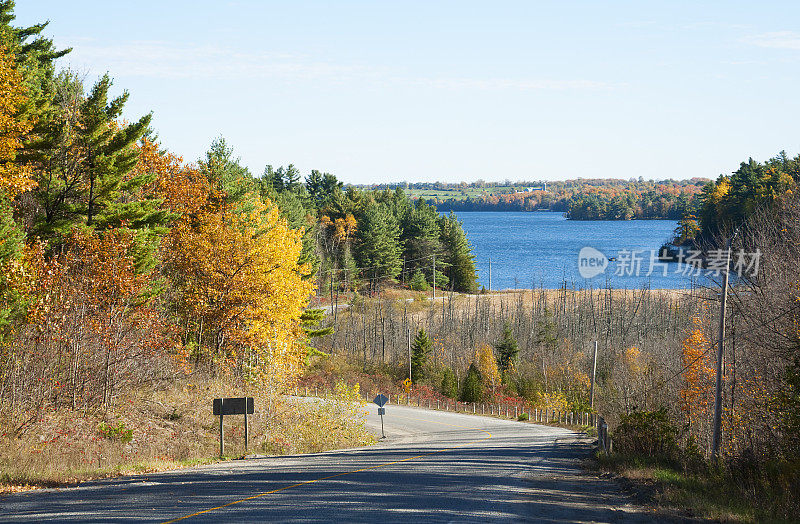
pixel 594 373
pixel 717 437
pixel 409 352
pixel 434 276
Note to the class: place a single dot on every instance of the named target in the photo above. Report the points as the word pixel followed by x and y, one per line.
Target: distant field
pixel 458 193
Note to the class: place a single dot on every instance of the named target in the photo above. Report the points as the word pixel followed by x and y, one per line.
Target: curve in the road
pixel 299 484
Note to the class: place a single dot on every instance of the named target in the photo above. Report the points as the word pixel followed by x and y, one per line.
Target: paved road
pixel 434 466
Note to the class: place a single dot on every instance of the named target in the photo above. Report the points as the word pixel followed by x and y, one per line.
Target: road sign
pixel 380 400
pixel 233 406
pixel 381 411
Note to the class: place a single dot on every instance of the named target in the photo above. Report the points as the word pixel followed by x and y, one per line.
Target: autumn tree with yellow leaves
pixel 13 181
pixel 697 390
pixel 241 288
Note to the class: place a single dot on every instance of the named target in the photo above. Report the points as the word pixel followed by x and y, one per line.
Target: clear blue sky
pixel 451 91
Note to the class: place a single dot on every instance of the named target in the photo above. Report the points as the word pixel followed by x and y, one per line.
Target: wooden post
pixel 221 436
pixel 594 372
pixel 246 434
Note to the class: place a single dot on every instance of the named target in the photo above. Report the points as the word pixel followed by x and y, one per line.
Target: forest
pixel 581 199
pixel 131 280
pixel 728 203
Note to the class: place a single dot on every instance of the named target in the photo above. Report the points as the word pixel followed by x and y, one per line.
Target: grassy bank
pixel 709 493
pixel 160 429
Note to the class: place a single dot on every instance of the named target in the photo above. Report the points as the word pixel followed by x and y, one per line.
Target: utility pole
pixel 490 273
pixel 434 276
pixel 715 443
pixel 409 353
pixel 594 372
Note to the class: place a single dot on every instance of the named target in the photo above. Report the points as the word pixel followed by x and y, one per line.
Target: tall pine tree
pixel 419 355
pixel 377 245
pixel 458 257
pixel 507 349
pixel 81 168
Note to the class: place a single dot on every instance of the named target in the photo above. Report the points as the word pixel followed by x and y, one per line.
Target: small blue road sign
pixel 381 399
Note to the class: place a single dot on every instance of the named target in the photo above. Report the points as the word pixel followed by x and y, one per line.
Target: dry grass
pixel 160 429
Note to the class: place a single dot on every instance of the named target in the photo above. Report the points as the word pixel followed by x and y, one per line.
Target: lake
pixel 540 249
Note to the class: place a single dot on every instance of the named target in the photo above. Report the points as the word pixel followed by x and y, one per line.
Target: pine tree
pixel 458 257
pixel 377 246
pixel 226 175
pixel 472 388
pixel 418 282
pixel 449 387
pixel 321 187
pixel 82 169
pixel 507 349
pixel 419 355
pixel 421 240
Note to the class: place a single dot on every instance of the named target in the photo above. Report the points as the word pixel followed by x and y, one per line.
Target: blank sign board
pixel 233 406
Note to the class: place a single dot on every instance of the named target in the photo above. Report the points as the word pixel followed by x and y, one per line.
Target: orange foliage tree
pixel 698 381
pixel 13 177
pixel 93 327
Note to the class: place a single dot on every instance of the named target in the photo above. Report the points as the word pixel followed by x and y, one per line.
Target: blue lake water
pixel 540 249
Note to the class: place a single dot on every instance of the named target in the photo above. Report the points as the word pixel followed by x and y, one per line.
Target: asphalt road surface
pixel 433 466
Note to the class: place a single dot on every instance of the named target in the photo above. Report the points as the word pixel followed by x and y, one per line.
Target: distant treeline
pixel 582 199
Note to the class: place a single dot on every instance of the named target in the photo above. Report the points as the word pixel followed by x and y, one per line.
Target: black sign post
pixel 381 400
pixel 233 406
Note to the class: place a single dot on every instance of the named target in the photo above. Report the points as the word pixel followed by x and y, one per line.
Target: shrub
pixel 522 417
pixel 418 282
pixel 647 433
pixel 116 431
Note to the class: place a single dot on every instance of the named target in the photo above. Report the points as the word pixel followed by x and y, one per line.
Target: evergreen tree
pixel 458 257
pixel 81 172
pixel 321 188
pixel 418 282
pixel 419 355
pixel 421 239
pixel 232 181
pixel 35 56
pixel 472 389
pixel 449 387
pixel 11 300
pixel 377 245
pixel 507 349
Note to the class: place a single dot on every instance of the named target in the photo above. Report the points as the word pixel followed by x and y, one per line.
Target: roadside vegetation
pixel 136 287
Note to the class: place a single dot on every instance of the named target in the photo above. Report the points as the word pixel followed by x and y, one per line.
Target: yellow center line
pixel 259 495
